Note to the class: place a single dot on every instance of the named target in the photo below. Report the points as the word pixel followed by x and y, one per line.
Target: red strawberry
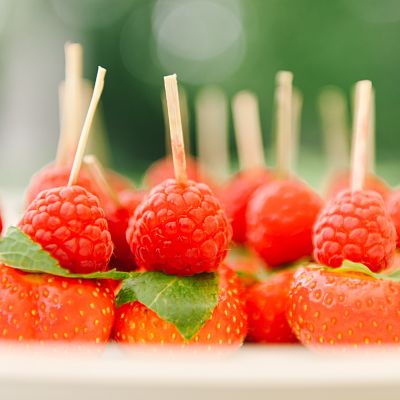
pixel 280 217
pixel 45 307
pixel 69 223
pixel 179 229
pixel 266 310
pixel 328 308
pixel 355 226
pixel 235 196
pixel 136 324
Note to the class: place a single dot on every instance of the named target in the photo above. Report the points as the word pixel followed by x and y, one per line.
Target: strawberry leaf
pixel 19 251
pixel 185 301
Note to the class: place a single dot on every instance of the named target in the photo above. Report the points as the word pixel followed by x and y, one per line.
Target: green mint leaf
pixel 19 251
pixel 185 301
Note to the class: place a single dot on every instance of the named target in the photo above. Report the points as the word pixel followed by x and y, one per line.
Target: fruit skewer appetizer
pixel 68 221
pixel 280 214
pixel 253 173
pixel 332 106
pixel 350 306
pixel 180 228
pixel 69 225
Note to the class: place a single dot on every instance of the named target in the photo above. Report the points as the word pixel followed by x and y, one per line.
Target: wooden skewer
pixel 98 174
pixel 175 127
pixel 212 132
pixel 283 122
pixel 70 105
pixel 246 119
pixel 334 118
pixel 361 121
pixel 183 101
pixel 80 151
pixel 297 105
pixel 371 136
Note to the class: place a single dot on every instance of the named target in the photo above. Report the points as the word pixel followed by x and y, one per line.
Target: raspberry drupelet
pixel 179 229
pixel 69 223
pixel 280 218
pixel 136 324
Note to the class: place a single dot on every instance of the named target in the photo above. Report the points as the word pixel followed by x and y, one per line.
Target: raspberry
pixel 136 324
pixel 52 176
pixel 69 223
pixel 179 229
pixel 341 181
pixel 118 219
pixel 236 195
pixel 280 217
pixel 355 226
pixel 393 207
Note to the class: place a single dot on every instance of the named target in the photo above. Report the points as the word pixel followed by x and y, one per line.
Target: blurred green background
pixel 236 44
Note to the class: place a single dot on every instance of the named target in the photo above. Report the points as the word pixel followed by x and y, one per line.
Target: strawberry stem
pixel 361 121
pixel 80 151
pixel 175 126
pixel 246 119
pixel 70 103
pixel 212 132
pixel 283 98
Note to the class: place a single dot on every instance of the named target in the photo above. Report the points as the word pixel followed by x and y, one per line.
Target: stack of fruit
pixel 94 259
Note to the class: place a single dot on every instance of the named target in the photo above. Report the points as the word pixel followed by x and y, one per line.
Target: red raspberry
pixel 393 207
pixel 341 181
pixel 179 229
pixel 236 195
pixel 45 307
pixel 69 223
pixel 53 176
pixel 266 310
pixel 356 227
pixel 118 219
pixel 280 217
pixel 136 324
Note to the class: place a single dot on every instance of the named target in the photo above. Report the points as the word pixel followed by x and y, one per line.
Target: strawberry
pixel 355 226
pixel 45 307
pixel 266 307
pixel 69 223
pixel 136 324
pixel 179 229
pixel 329 308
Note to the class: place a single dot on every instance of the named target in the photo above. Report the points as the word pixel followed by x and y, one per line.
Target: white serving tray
pixel 253 372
